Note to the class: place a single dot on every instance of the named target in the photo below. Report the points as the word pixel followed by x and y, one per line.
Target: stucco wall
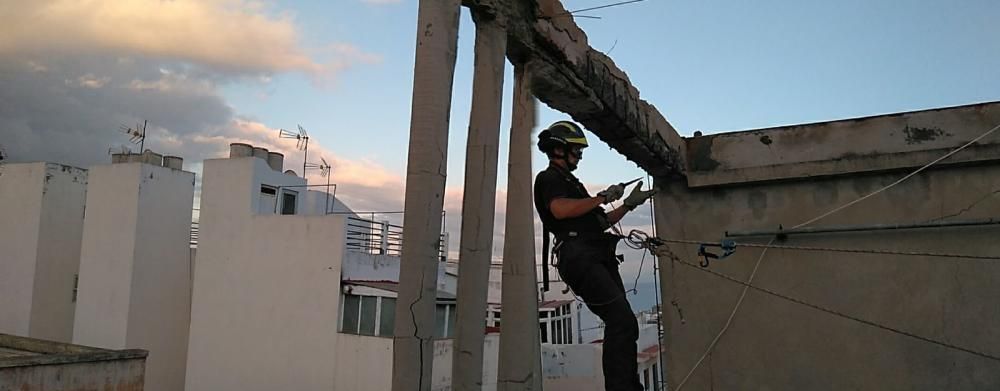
pixel 779 345
pixel 60 234
pixel 42 207
pixel 21 203
pixel 135 266
pixel 266 289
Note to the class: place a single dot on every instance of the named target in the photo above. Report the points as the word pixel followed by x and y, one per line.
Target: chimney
pixel 275 160
pixel 153 158
pixel 173 162
pixel 240 150
pixel 260 153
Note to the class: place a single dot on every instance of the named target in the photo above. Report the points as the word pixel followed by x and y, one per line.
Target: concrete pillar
pixel 479 205
pixel 426 170
pixel 520 356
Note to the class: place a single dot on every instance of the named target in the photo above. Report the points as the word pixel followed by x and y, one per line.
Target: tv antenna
pixel 324 171
pixel 137 134
pixel 301 143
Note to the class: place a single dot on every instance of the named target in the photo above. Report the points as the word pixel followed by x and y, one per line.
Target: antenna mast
pixel 301 142
pixel 137 135
pixel 324 170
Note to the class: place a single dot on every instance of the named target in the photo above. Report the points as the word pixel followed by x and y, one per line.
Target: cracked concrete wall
pixel 478 204
pixel 426 170
pixel 810 169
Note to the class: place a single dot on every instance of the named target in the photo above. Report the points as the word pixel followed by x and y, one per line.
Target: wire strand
pixel 908 176
pixel 729 321
pixel 842 250
pixel 600 7
pixel 748 285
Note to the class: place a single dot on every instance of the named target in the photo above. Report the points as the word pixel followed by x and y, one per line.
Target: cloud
pixel 66 91
pixel 230 36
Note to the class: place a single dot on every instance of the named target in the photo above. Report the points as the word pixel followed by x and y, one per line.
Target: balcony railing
pixel 381 238
pixel 368 237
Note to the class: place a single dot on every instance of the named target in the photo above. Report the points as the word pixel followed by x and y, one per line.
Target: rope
pixel 926 166
pixel 820 217
pixel 843 250
pixel 728 321
pixel 749 285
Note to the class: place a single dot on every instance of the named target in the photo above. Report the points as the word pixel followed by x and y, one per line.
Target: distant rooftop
pixel 18 351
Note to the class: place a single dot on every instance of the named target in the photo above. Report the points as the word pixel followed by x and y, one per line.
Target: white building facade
pixel 135 266
pixel 41 225
pixel 267 282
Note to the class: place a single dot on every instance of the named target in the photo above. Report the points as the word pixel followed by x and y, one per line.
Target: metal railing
pixel 381 238
pixel 366 236
pixel 194 234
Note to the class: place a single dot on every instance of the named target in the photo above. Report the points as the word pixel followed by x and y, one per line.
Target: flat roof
pixel 16 351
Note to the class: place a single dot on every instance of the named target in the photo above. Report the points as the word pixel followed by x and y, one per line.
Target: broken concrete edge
pixel 43 352
pixel 613 108
pixel 869 144
pixel 570 76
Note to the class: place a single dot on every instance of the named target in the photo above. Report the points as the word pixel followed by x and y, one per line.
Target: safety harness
pixel 560 236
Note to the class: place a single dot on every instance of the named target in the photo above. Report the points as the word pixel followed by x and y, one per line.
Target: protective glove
pixel 638 196
pixel 612 193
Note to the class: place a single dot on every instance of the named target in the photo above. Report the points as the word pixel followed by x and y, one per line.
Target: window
pixel 444 319
pixel 350 311
pixel 452 315
pixel 76 286
pixel 288 199
pixel 544 327
pixel 368 315
pixel 387 317
pixel 367 322
pixel 645 378
pixel 268 200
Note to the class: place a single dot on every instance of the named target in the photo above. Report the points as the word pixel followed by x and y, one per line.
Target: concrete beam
pixel 479 205
pixel 426 170
pixel 843 147
pixel 572 77
pixel 520 355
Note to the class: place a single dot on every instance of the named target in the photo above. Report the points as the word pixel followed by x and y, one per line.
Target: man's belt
pixel 592 235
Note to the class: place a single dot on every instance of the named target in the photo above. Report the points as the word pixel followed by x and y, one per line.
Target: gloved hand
pixel 638 196
pixel 612 193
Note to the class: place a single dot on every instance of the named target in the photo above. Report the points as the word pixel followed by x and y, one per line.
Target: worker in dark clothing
pixel 585 252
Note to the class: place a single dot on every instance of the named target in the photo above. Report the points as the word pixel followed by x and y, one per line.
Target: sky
pixel 207 73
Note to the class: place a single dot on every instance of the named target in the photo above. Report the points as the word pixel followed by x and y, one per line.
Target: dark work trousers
pixel 590 269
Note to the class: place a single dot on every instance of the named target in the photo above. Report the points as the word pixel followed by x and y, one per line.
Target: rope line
pixel 844 250
pixel 749 285
pixel 601 7
pixel 729 321
pixel 926 166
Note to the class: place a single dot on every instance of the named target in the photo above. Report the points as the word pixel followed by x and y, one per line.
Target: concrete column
pixel 520 356
pixel 433 74
pixel 478 205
